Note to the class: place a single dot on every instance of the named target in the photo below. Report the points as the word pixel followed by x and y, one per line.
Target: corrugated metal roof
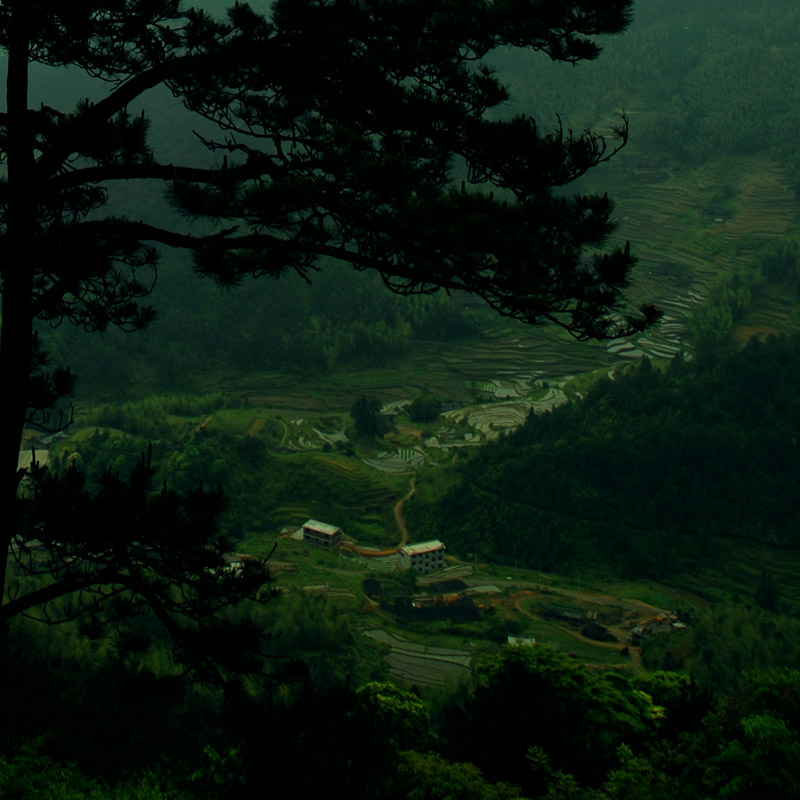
pixel 321 527
pixel 422 547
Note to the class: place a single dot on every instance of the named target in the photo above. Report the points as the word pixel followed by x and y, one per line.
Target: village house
pixel 321 534
pixel 422 557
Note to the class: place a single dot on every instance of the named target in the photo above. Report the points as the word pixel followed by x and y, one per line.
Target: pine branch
pixel 253 168
pixel 76 127
pixel 72 582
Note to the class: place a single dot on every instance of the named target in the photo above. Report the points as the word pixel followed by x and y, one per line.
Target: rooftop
pixel 321 527
pixel 422 547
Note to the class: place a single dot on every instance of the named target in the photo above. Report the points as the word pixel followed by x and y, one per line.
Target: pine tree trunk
pixel 16 334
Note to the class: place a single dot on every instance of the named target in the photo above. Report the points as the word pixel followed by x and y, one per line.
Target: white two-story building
pixel 422 557
pixel 321 534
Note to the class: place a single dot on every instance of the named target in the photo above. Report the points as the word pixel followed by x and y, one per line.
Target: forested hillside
pixel 645 475
pixel 202 333
pixel 697 79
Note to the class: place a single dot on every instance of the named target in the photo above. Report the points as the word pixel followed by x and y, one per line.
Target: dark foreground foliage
pixel 122 556
pixel 536 724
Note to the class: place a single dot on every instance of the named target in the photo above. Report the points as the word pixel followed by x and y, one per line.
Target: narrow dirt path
pixel 255 426
pixel 285 432
pixel 203 424
pixel 617 630
pixel 401 525
pixel 399 517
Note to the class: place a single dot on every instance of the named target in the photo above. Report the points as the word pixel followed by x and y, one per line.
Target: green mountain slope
pixel 645 476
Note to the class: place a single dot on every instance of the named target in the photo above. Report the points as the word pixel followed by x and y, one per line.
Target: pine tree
pixel 355 130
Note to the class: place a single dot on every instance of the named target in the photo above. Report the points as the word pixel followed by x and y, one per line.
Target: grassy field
pixel 424 652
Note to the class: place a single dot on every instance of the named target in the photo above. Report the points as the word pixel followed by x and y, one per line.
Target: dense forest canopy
pixel 696 80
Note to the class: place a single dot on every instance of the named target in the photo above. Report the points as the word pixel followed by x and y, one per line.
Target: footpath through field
pixel 400 519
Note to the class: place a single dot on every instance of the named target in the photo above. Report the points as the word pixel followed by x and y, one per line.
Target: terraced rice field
pixel 372 493
pixel 667 213
pixel 682 247
pixel 744 562
pixel 421 664
pixel 375 563
pixel 292 512
pixel 338 465
pixel 398 461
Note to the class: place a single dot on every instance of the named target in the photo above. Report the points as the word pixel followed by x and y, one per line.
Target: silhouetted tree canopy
pixel 363 132
pixel 425 407
pixel 365 413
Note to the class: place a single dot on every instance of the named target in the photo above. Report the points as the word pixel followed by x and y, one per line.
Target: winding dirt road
pixel 400 519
